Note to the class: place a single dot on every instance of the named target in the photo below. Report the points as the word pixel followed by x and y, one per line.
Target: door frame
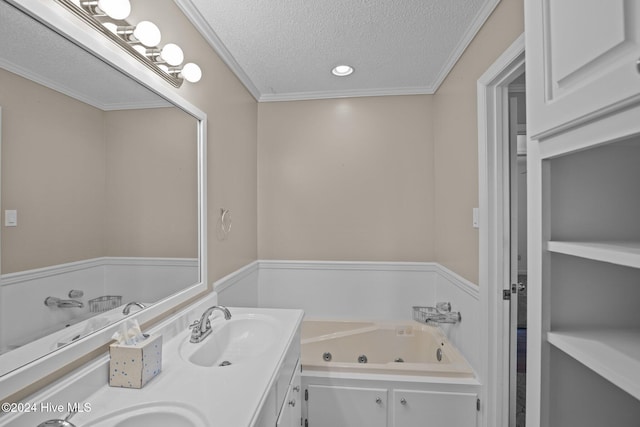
pixel 494 242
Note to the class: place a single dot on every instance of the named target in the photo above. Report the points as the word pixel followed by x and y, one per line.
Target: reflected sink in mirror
pixel 241 339
pixel 158 414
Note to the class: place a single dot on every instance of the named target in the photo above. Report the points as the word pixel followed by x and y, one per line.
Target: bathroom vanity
pixel 245 373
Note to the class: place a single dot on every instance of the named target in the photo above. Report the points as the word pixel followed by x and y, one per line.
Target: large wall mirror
pixel 102 196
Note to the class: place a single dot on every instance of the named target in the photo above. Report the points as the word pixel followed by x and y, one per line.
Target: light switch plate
pixel 10 218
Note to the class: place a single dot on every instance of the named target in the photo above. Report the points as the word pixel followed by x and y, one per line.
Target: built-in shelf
pixel 621 253
pixel 614 354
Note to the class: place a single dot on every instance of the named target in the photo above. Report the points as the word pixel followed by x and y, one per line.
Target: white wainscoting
pixel 240 288
pixel 25 317
pixel 359 290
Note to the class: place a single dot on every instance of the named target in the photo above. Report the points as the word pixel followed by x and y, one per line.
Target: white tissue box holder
pixel 132 366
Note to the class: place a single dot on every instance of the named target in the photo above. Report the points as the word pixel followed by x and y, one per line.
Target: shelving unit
pixel 588 276
pixel 584 212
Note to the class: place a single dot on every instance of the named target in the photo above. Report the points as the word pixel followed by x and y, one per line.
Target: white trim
pixel 237 276
pixel 349 265
pixel 470 34
pixel 460 282
pixel 63 22
pixel 38 273
pixel 492 91
pixel 353 93
pixel 203 27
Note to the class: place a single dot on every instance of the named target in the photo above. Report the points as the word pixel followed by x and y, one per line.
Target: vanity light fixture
pixel 342 70
pixel 141 41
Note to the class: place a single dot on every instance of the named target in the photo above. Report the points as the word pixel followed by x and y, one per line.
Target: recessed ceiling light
pixel 342 70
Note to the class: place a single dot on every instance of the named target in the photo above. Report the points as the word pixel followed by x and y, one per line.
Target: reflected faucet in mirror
pixel 63 303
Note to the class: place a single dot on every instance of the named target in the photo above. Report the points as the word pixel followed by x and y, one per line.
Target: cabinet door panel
pixel 417 408
pixel 291 413
pixel 581 59
pixel 331 406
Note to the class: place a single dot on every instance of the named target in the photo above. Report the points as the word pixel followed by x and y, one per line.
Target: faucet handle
pixel 195 324
pixel 443 307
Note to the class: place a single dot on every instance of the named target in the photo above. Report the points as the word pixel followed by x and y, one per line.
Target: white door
pixel 413 408
pixel 588 52
pixel 330 406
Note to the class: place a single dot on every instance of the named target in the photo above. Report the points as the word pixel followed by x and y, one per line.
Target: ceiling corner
pixel 197 20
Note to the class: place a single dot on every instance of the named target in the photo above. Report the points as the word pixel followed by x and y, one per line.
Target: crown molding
pixel 479 20
pixel 197 20
pixel 356 93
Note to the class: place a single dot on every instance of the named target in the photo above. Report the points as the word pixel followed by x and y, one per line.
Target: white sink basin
pixel 157 414
pixel 240 339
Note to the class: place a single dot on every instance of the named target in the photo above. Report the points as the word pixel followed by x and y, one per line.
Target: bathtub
pixel 389 347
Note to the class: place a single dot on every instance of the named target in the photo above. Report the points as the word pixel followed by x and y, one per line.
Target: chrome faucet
pixel 62 303
pixel 127 308
pixel 200 329
pixel 60 422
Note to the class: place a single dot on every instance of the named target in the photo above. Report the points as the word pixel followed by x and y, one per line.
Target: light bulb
pixel 191 72
pixel 115 9
pixel 147 33
pixel 172 54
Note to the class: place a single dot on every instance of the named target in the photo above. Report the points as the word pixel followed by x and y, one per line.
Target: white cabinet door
pixel 581 59
pixel 427 408
pixel 291 413
pixel 330 406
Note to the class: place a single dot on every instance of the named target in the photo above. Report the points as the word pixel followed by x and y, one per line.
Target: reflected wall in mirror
pixel 106 199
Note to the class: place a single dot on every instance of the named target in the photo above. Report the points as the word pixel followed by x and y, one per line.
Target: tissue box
pixel 132 366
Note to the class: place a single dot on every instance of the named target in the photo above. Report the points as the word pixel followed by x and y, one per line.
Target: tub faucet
pixel 200 329
pixel 127 308
pixel 62 303
pixel 441 313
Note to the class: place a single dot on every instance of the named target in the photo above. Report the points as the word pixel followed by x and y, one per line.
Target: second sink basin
pixel 160 414
pixel 242 338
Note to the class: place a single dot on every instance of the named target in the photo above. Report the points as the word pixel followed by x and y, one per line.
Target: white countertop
pixel 230 396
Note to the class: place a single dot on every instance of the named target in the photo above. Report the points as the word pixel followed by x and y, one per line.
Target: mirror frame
pixel 68 25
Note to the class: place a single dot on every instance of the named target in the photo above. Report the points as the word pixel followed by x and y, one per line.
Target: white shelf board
pixel 612 353
pixel 621 253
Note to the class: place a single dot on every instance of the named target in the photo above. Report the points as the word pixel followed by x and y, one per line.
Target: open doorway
pixel 517 149
pixel 499 268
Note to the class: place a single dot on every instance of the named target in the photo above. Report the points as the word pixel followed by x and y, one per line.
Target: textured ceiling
pixel 32 50
pixel 285 49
